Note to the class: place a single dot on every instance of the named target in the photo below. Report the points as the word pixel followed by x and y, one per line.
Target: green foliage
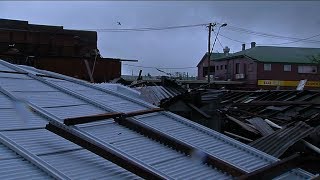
pixel 315 59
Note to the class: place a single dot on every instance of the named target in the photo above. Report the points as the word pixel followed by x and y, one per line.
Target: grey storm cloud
pixel 178 47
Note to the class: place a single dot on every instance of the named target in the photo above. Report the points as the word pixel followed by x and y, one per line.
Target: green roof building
pixel 265 66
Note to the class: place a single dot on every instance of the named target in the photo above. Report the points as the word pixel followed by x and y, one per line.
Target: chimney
pixel 253 44
pixel 226 50
pixel 243 47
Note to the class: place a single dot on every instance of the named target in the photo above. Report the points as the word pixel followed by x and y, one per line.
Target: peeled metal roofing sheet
pixel 278 142
pixel 261 125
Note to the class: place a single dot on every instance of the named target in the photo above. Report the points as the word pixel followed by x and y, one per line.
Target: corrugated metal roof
pixel 14 166
pixel 155 94
pixel 278 142
pixel 71 97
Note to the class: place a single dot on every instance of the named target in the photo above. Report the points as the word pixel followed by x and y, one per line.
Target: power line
pixel 147 28
pixel 295 41
pixel 218 40
pixel 270 44
pixel 232 39
pixel 153 67
pixel 263 34
pixel 229 27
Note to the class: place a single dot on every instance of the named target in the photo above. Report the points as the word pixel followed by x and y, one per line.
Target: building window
pixel 307 69
pixel 205 71
pixel 225 66
pixel 267 67
pixel 237 68
pixel 250 67
pixel 221 67
pixel 287 67
pixel 217 67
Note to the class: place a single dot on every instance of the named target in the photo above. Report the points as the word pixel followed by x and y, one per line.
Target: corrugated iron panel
pixel 10 120
pixel 20 169
pixel 297 174
pixel 182 168
pixel 47 144
pixel 14 76
pixel 49 99
pixel 24 85
pixel 4 68
pixel 40 141
pixel 117 103
pixel 154 94
pixel 29 69
pixel 82 164
pixel 14 166
pixel 234 153
pixel 278 142
pixel 6 153
pixel 216 145
pixel 119 88
pixel 5 102
pixel 152 153
pixel 74 111
pixel 261 125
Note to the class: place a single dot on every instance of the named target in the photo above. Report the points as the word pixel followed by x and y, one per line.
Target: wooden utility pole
pixel 209 53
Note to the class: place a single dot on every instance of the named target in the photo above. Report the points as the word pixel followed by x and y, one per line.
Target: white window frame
pixel 287 67
pixel 267 67
pixel 307 69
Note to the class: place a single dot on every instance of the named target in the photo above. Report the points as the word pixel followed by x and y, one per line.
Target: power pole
pixel 209 53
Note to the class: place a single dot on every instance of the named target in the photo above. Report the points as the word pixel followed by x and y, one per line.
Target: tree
pixel 315 59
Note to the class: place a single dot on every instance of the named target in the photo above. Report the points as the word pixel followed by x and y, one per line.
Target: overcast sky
pixel 178 47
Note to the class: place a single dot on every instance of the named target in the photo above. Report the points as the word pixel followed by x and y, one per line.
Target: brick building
pixel 267 67
pixel 70 52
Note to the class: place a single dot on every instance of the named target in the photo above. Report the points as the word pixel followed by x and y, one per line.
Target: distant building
pixel 203 65
pixel 267 67
pixel 70 52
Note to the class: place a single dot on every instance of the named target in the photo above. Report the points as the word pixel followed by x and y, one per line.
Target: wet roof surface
pixel 63 97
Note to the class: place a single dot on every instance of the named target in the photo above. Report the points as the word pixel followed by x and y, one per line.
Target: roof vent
pixel 243 47
pixel 226 50
pixel 253 44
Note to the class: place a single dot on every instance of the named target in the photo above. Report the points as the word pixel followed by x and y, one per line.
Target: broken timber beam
pixel 273 170
pixel 275 103
pixel 99 117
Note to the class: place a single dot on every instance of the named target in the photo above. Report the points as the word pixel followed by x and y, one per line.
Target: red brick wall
pixel 248 67
pixel 277 73
pixel 105 70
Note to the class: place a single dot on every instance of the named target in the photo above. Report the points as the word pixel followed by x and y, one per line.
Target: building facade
pixel 269 67
pixel 56 49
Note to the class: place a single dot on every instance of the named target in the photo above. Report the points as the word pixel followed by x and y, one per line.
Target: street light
pixel 222 25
